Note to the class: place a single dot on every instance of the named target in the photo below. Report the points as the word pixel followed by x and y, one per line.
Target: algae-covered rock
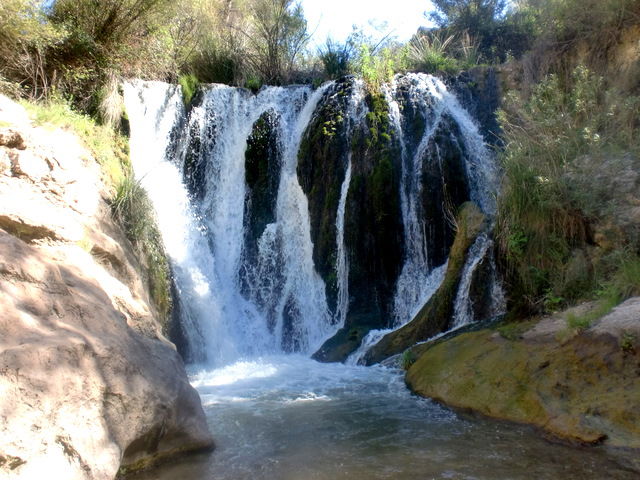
pixel 583 387
pixel 435 315
pixel 342 344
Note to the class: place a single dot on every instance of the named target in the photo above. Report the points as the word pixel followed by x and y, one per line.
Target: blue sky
pixel 336 17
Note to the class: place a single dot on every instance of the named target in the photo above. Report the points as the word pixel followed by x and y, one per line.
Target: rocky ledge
pixel 579 385
pixel 88 383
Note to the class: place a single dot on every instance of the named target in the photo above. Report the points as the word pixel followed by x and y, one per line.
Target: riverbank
pixel 288 417
pixel 577 382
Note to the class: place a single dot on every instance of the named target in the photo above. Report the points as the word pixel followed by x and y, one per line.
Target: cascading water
pixel 242 301
pixel 208 249
pixel 419 278
pixel 240 247
pixel 355 115
pixel 479 252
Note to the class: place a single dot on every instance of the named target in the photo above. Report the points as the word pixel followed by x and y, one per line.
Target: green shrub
pixel 430 54
pixel 549 199
pixel 375 68
pixel 337 59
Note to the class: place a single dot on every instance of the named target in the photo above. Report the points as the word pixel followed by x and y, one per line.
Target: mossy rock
pixel 342 344
pixel 585 389
pixel 435 315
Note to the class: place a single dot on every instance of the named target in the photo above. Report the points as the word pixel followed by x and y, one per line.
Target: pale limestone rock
pixel 11 112
pixel 28 164
pixel 623 320
pixel 88 383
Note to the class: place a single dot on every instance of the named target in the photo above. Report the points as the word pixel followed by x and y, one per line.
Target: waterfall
pixel 479 252
pixel 355 114
pixel 342 264
pixel 419 278
pixel 223 178
pixel 204 233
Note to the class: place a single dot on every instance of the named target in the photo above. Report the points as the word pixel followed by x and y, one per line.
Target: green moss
pixel 189 84
pixel 515 330
pixel 555 385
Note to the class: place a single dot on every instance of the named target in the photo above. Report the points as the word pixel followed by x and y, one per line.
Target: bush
pixel 337 59
pixel 430 54
pixel 548 204
pixel 189 84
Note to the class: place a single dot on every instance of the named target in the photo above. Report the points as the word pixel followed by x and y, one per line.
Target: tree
pixel 276 36
pixel 479 18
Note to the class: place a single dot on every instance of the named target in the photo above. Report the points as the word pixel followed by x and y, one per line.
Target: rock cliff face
pixel 580 386
pixel 88 383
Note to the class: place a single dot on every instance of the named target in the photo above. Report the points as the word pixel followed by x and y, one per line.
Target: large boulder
pixel 582 386
pixel 88 383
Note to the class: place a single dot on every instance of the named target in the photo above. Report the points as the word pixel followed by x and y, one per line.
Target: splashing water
pixel 205 239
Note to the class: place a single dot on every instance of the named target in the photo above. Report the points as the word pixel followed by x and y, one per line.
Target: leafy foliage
pixel 338 59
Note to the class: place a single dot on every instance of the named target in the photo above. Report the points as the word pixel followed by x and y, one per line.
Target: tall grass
pixel 431 54
pixel 549 203
pixel 133 210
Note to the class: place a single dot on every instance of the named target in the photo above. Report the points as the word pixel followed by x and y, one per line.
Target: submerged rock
pixel 435 316
pixel 88 383
pixel 580 386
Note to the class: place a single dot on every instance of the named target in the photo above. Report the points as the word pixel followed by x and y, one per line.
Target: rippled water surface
pixel 290 418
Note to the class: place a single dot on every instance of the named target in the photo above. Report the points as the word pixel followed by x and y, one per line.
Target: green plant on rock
pixel 431 54
pixel 628 342
pixel 579 323
pixel 133 210
pixel 375 68
pixel 188 84
pixel 408 359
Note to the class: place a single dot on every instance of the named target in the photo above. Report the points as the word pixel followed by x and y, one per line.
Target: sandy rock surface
pixel 88 383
